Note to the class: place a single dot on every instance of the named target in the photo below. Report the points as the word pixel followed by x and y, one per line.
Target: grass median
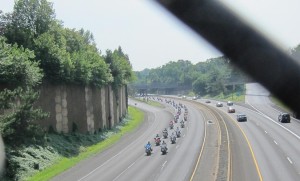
pixel 134 119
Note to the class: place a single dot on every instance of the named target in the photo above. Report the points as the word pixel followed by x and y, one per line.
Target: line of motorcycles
pixel 174 135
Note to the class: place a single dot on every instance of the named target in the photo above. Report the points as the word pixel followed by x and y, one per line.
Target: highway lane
pixel 202 152
pixel 241 164
pixel 258 98
pixel 275 149
pixel 127 161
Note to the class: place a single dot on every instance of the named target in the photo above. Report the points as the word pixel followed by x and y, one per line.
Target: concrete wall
pixel 85 109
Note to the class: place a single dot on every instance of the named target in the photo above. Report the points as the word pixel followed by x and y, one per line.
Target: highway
pixel 213 146
pixel 275 145
pixel 127 160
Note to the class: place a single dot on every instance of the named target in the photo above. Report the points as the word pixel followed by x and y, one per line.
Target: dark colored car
pixel 284 118
pixel 229 103
pixel 241 117
pixel 231 110
pixel 207 101
pixel 219 104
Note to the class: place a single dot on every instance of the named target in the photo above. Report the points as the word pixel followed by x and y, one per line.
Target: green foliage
pixel 203 78
pixel 30 18
pixel 66 150
pixel 16 67
pixel 120 66
pixel 65 55
pixel 20 122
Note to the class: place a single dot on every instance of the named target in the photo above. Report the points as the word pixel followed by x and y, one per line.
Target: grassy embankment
pixel 149 102
pixel 63 163
pixel 280 104
pixel 229 97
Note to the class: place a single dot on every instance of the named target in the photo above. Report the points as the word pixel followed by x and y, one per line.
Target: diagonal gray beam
pixel 247 48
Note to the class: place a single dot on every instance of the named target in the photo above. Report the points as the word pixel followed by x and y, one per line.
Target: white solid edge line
pixel 262 114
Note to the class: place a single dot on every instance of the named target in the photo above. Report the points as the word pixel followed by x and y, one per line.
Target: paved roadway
pixel 202 153
pixel 275 145
pixel 126 160
pixel 259 149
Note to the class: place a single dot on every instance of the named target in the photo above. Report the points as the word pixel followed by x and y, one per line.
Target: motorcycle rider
pixel 157 135
pixel 177 131
pixel 157 139
pixel 148 145
pixel 164 145
pixel 165 132
pixel 182 122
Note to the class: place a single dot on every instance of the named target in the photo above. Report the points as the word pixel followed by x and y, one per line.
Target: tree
pixel 30 18
pixel 120 66
pixel 23 75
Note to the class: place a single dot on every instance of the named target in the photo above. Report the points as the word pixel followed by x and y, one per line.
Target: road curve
pixel 276 148
pixel 126 160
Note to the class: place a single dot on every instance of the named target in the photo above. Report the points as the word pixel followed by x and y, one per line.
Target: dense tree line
pixel 36 47
pixel 203 78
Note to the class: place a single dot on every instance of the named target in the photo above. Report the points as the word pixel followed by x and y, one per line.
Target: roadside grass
pixel 277 102
pixel 135 118
pixel 150 102
pixel 228 97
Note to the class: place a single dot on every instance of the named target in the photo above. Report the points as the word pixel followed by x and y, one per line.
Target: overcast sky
pixel 151 37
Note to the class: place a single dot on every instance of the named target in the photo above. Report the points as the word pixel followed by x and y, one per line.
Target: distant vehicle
pixel 219 104
pixel 207 101
pixel 183 97
pixel 229 103
pixel 231 110
pixel 196 97
pixel 284 118
pixel 241 117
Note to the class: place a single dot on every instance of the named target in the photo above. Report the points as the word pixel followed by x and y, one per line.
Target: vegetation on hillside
pixel 209 77
pixel 36 47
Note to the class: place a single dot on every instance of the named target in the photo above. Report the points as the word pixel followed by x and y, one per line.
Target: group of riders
pixel 175 134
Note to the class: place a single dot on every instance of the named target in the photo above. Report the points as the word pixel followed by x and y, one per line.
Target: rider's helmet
pixel 157 135
pixel 163 141
pixel 148 142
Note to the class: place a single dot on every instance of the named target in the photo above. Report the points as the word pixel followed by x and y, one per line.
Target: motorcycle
pixel 175 120
pixel 148 150
pixel 164 150
pixel 165 135
pixel 171 125
pixel 157 141
pixel 178 133
pixel 173 139
pixel 182 124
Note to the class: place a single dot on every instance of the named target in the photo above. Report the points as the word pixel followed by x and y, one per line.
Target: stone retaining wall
pixel 83 109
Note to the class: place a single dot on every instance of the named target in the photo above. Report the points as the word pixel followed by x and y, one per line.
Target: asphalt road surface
pixel 212 147
pixel 127 160
pixel 275 145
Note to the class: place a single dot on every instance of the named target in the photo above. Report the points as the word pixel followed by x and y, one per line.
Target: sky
pixel 152 37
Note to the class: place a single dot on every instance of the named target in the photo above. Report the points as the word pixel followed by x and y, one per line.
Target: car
pixel 183 97
pixel 284 118
pixel 219 104
pixel 207 101
pixel 231 110
pixel 241 117
pixel 229 103
pixel 194 98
